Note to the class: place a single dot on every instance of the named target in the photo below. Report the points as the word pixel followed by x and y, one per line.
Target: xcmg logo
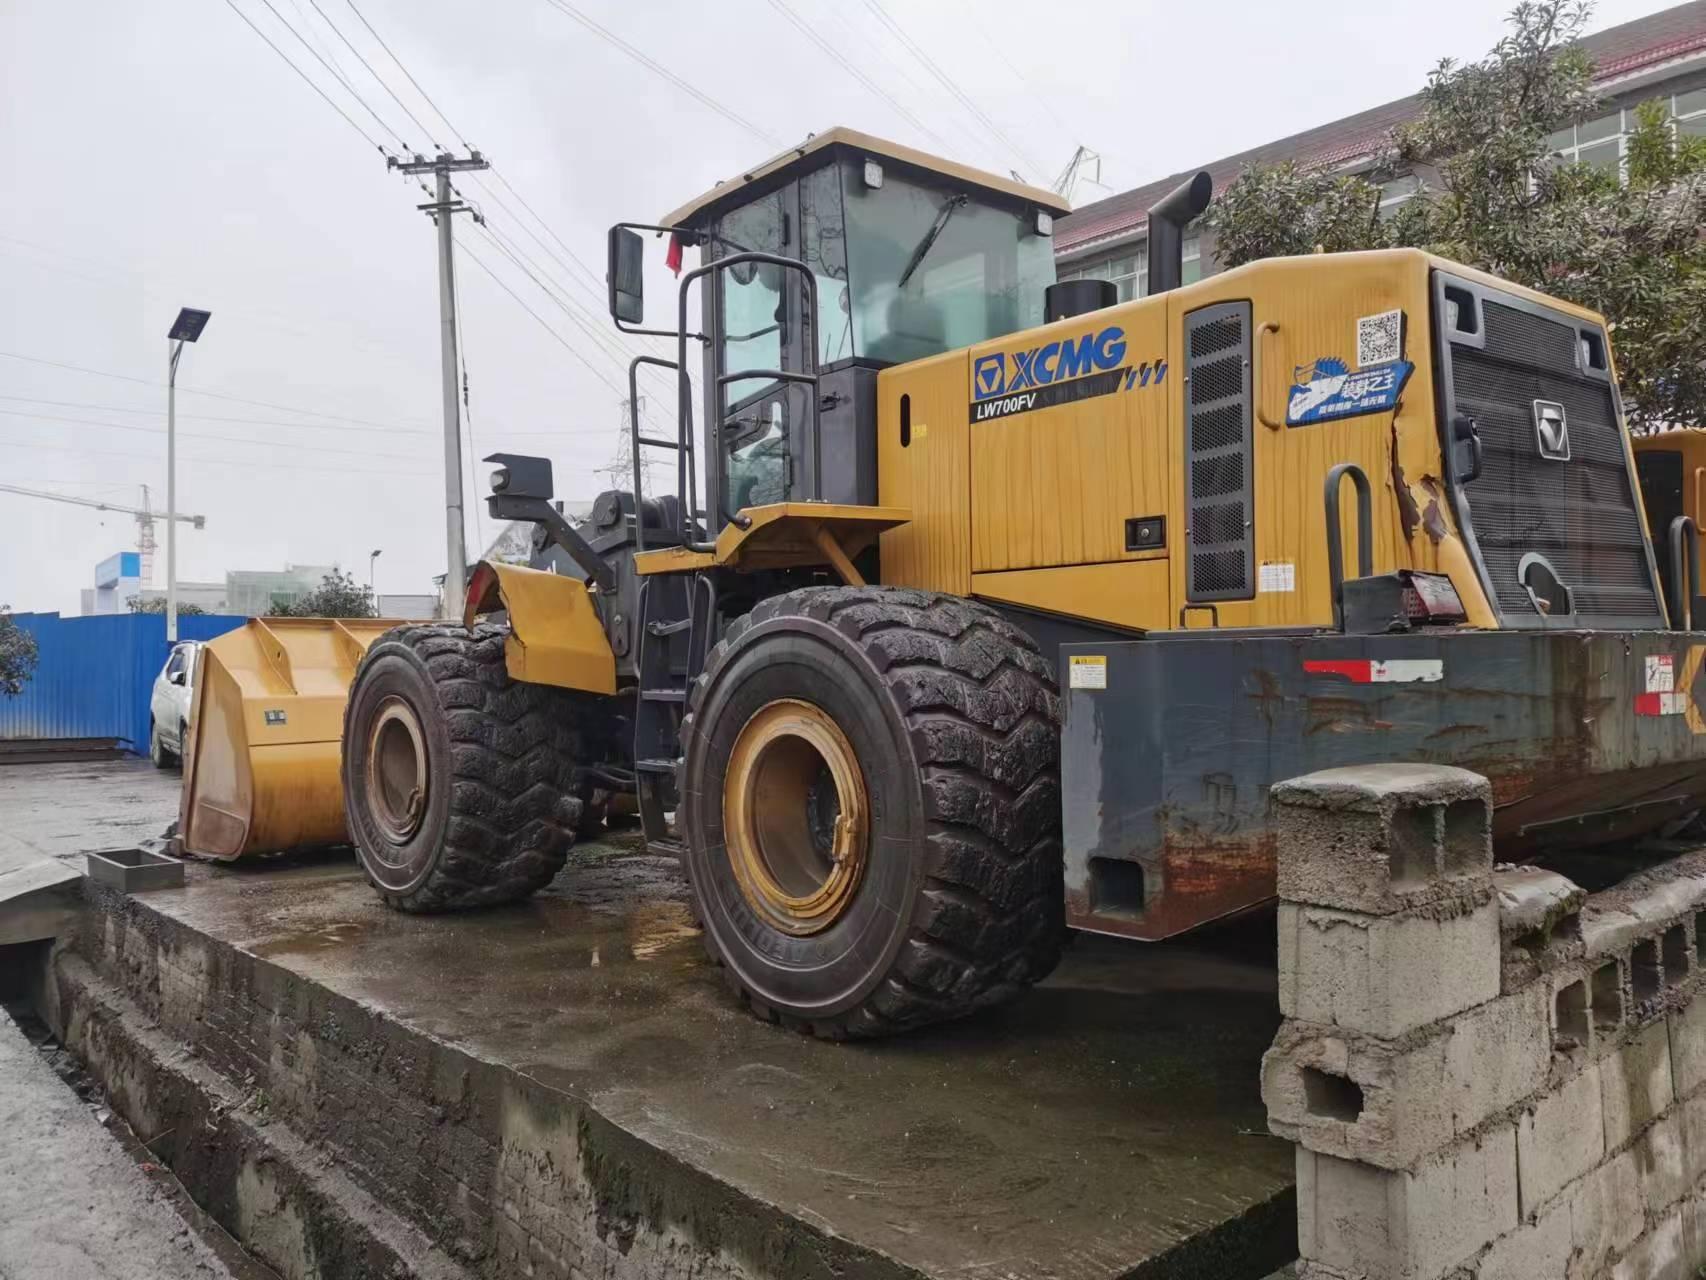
pixel 1000 375
pixel 1056 373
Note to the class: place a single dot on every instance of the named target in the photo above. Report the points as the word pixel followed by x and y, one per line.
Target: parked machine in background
pixel 1672 470
pixel 986 604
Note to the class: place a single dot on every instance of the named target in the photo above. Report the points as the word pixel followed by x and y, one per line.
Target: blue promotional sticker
pixel 1327 390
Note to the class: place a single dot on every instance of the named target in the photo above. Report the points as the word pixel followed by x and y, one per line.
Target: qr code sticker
pixel 1380 339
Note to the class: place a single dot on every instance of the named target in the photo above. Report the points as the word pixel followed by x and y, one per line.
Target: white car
pixel 169 708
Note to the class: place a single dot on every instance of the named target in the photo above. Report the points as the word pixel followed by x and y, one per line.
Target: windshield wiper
pixel 947 211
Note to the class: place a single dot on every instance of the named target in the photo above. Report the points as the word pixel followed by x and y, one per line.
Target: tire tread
pixel 516 752
pixel 980 706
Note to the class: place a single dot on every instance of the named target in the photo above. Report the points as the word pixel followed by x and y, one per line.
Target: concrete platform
pixel 575 1059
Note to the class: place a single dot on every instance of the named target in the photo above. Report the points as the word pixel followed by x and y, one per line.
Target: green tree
pixel 17 654
pixel 339 595
pixel 1504 202
pixel 139 605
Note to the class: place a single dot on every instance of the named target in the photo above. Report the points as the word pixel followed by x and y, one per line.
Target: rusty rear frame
pixel 1587 738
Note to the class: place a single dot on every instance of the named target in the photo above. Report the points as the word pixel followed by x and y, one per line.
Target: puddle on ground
pixel 310 942
pixel 655 927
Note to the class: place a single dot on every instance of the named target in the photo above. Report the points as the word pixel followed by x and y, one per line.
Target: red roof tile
pixel 1617 52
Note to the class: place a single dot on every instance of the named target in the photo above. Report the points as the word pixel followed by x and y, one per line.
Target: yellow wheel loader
pixel 988 605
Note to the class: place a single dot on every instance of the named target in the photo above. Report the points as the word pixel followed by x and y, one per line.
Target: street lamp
pixel 186 328
pixel 371 557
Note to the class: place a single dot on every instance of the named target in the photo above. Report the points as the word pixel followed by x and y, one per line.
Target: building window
pixel 1397 191
pixel 1130 271
pixel 1600 143
pixel 1689 110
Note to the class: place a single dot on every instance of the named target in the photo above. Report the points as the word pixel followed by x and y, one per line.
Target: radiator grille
pixel 1217 446
pixel 1579 514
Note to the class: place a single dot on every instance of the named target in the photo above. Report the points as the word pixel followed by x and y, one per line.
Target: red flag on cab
pixel 672 259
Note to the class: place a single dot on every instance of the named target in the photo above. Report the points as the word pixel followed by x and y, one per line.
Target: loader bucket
pixel 265 741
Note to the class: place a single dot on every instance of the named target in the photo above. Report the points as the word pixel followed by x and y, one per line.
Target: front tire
pixel 158 755
pixel 460 784
pixel 871 809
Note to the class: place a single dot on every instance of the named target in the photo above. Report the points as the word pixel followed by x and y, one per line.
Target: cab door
pixel 755 331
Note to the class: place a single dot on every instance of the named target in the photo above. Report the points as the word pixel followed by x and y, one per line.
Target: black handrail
pixel 684 384
pixel 1335 533
pixel 1684 547
pixel 639 441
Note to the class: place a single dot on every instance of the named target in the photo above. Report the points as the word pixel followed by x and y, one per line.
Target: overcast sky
pixel 159 155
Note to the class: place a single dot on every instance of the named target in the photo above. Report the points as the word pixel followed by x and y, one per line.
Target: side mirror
pixel 626 276
pixel 177 677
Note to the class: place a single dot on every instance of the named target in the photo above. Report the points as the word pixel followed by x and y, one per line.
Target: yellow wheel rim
pixel 795 816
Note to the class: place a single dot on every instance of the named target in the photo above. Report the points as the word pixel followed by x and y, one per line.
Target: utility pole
pixel 441 210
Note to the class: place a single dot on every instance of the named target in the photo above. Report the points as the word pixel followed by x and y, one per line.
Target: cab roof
pixel 733 191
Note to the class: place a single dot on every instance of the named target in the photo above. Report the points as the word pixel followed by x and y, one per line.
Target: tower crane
pixel 145 518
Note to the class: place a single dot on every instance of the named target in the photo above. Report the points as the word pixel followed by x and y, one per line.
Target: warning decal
pixel 1087 671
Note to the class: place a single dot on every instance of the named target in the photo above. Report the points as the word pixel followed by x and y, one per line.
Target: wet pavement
pixel 1092 1126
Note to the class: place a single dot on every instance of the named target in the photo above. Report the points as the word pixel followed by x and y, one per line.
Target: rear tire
pixel 460 784
pixel 936 725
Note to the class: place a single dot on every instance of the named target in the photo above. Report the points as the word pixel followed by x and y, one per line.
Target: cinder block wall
pixel 1489 1074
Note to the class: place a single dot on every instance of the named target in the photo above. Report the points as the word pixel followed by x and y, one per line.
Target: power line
pixel 307 79
pixel 595 289
pixel 704 99
pixel 564 342
pixel 862 40
pixel 426 132
pixel 460 137
pixel 213 417
pixel 198 435
pixel 246 463
pixel 835 55
pixel 947 83
pixel 566 305
pixel 216 395
pixel 302 40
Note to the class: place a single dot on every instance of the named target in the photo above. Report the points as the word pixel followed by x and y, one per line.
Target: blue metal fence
pixel 94 676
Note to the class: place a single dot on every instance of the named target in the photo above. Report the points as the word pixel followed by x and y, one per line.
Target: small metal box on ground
pixel 134 870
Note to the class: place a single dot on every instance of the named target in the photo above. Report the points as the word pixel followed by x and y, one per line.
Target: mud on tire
pixel 500 763
pixel 954 717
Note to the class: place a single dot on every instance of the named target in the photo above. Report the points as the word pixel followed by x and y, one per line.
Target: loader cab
pixel 872 255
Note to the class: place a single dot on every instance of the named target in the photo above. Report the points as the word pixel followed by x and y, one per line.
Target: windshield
pixel 981 276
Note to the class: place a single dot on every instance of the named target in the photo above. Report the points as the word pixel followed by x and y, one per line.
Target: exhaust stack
pixel 1168 219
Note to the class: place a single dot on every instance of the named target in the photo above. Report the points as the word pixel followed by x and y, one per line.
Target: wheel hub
pixel 397 781
pixel 796 817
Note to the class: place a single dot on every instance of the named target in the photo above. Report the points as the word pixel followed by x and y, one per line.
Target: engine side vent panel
pixel 1220 562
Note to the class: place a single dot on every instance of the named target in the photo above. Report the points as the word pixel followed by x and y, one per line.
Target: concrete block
pixel 1659 1161
pixel 1614 920
pixel 1386 974
pixel 1540 1248
pixel 1606 1213
pixel 1536 902
pixel 1559 1138
pixel 1540 924
pixel 1407 1226
pixel 1635 1084
pixel 1688 1046
pixel 1691 1112
pixel 1393 1104
pixel 1694 1229
pixel 1658 1255
pixel 1383 838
